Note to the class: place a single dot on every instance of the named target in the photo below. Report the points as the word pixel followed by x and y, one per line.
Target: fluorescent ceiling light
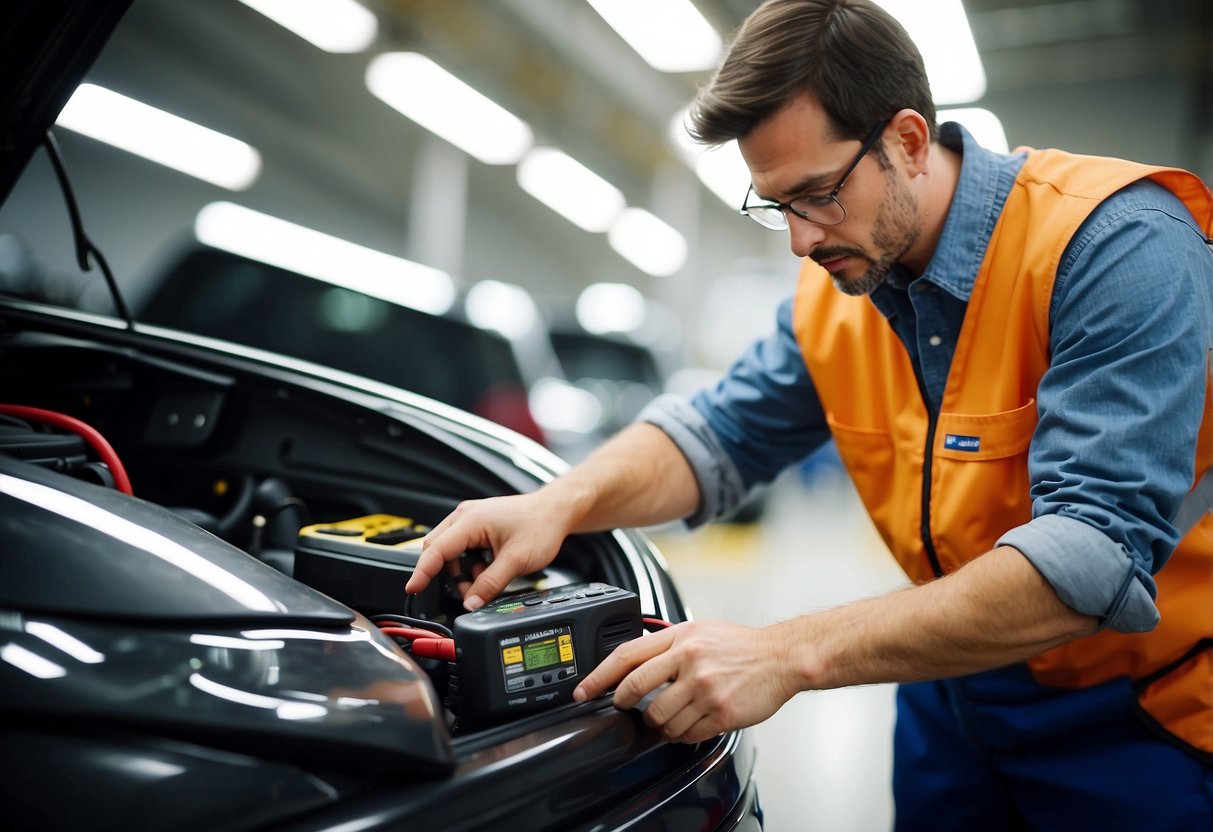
pixel 570 189
pixel 503 307
pixel 984 125
pixel 720 168
pixel 331 25
pixel 296 248
pixel 610 307
pixel 941 31
pixel 441 103
pixel 559 406
pixel 648 243
pixel 671 35
pixel 164 138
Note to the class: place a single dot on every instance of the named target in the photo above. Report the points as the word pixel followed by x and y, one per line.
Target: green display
pixel 540 654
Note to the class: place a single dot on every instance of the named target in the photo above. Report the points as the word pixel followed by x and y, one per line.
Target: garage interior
pixel 1127 78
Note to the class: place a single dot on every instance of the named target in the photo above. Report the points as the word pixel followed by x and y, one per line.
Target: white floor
pixel 824 758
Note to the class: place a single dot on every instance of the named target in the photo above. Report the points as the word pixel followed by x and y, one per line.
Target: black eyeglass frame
pixel 784 207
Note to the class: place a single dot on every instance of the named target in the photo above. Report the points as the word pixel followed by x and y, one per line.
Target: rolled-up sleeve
pixel 1120 406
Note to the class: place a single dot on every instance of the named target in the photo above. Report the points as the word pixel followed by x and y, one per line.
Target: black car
pixel 219 294
pixel 202 621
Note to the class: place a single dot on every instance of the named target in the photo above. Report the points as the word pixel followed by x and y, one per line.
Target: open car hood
pixel 45 50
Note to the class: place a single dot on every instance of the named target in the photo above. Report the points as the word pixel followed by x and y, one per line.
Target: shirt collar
pixel 985 180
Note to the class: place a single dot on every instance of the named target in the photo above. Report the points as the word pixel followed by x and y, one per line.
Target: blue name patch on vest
pixel 959 442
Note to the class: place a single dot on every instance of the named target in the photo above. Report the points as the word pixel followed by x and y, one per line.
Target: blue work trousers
pixel 998 751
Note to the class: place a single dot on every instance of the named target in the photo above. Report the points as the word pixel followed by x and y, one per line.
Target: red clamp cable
pixel 435 648
pixel 91 435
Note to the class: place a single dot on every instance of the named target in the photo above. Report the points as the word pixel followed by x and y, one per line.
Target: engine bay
pixel 330 490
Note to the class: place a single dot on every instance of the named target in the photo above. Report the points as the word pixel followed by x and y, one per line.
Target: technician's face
pixel 794 161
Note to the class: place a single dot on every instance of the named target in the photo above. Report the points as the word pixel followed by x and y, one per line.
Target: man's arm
pixel 994 611
pixel 638 478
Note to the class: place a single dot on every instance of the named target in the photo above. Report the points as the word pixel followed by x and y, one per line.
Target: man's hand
pixel 524 533
pixel 721 676
pixel 638 478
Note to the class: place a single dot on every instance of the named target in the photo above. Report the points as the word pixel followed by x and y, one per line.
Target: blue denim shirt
pixel 1119 407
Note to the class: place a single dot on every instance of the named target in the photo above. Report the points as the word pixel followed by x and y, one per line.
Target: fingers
pixel 673 710
pixel 642 666
pixel 487 585
pixel 445 542
pixel 620 663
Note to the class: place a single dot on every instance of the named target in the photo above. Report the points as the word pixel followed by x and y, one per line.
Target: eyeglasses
pixel 822 210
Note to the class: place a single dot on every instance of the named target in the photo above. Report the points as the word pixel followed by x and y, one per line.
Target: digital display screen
pixel 540 654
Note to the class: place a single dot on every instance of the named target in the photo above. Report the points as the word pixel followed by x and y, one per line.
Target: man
pixel 1012 354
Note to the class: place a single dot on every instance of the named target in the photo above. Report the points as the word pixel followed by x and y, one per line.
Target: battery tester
pixel 516 655
pixel 524 653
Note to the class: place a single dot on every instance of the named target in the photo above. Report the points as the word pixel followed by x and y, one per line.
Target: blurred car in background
pixel 445 357
pixel 622 373
pixel 613 363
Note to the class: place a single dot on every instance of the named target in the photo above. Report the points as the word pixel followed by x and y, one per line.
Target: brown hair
pixel 851 54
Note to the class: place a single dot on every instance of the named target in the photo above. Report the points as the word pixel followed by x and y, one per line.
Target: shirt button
pixel 934 340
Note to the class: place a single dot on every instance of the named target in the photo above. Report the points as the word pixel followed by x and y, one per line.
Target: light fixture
pixel 562 407
pixel 984 125
pixel 570 189
pixel 503 307
pixel 429 95
pixel 331 25
pixel 161 137
pixel 941 32
pixel 648 243
pixel 293 247
pixel 671 35
pixel 610 307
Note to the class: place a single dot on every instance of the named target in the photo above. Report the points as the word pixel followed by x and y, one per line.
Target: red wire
pixel 435 648
pixel 424 643
pixel 659 623
pixel 90 435
pixel 411 633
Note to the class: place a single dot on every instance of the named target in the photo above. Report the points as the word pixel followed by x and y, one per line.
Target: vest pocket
pixel 970 438
pixel 979 481
pixel 882 478
pixel 863 450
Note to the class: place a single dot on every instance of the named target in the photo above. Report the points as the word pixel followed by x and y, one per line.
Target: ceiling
pixel 1121 77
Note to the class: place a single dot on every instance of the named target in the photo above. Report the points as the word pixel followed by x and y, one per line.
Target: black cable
pixel 84 246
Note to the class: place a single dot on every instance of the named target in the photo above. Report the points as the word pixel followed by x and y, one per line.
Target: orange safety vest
pixel 881 426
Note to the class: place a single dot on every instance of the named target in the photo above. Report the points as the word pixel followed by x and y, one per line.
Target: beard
pixel 893 234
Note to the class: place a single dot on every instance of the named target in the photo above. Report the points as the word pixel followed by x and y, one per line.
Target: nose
pixel 804 236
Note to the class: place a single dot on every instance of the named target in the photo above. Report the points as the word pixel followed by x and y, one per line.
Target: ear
pixel 911 141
